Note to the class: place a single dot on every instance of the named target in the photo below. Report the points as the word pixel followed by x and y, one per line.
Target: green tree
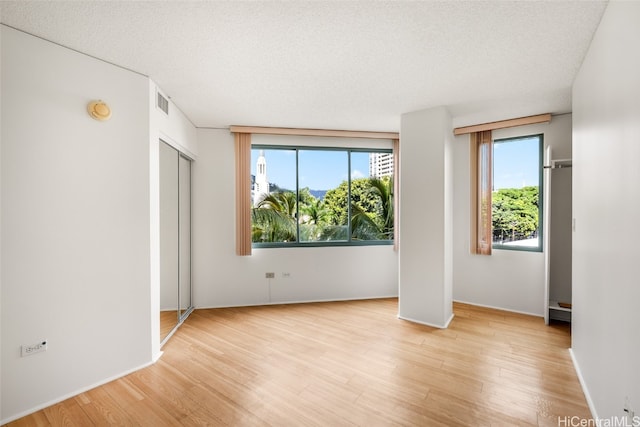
pixel 281 201
pixel 274 218
pixel 336 199
pixel 514 213
pixel 279 215
pixel 313 212
pixel 383 190
pixel 371 208
pixel 313 219
pixel 305 197
pixel 376 223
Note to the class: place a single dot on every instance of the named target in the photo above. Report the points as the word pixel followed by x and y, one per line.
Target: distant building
pixel 261 183
pixel 380 165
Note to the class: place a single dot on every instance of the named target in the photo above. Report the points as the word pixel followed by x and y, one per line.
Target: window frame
pixel 541 237
pixel 326 243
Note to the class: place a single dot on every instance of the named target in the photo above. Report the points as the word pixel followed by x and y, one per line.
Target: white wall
pixel 511 280
pixel 174 128
pixel 426 177
pixel 75 223
pixel 606 206
pixel 221 278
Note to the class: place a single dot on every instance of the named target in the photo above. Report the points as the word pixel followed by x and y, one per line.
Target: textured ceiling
pixel 335 65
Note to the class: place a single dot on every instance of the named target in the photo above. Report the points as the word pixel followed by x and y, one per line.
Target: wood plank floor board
pixel 124 392
pixel 465 411
pixel 100 408
pixel 387 412
pixel 351 363
pixel 69 413
pixel 147 412
pixel 161 393
pixel 348 412
pixel 391 388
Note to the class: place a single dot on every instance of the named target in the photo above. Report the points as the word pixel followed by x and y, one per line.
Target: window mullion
pixel 349 195
pixel 297 199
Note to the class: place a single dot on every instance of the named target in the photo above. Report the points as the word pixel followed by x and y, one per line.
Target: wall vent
pixel 163 103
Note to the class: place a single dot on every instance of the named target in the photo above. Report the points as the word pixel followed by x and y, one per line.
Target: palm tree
pixel 274 218
pixel 282 201
pixel 376 225
pixel 363 226
pixel 314 221
pixel 314 212
pixel 383 189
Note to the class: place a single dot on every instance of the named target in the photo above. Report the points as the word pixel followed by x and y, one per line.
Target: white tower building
pixel 261 187
pixel 380 165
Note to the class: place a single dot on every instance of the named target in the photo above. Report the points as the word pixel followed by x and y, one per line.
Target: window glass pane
pixel 516 192
pixel 371 196
pixel 273 193
pixel 323 190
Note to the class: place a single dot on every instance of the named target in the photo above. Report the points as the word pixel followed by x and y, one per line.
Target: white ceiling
pixel 334 65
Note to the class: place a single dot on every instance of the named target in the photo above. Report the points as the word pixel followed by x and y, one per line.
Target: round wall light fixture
pixel 99 110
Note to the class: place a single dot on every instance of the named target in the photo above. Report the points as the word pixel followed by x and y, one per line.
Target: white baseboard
pixel 583 384
pixel 74 393
pixel 499 308
pixel 433 325
pixel 258 304
pixel 446 325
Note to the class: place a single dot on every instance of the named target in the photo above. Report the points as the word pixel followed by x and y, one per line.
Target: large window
pixel 311 196
pixel 516 198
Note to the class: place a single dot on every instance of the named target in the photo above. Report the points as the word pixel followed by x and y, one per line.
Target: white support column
pixel 425 266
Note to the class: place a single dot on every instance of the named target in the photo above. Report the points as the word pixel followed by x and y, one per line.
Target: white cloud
pixel 357 174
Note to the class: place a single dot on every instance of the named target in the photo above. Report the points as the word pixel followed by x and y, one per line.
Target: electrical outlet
pixel 28 350
pixel 286 275
pixel 269 275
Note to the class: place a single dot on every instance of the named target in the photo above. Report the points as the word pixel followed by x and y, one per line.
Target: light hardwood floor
pixel 342 364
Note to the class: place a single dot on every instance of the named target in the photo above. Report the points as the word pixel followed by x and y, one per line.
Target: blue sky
pixel 515 164
pixel 319 170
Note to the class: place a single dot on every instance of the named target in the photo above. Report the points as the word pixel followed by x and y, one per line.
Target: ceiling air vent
pixel 163 103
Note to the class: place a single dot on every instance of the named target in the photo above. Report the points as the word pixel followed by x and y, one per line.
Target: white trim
pixel 168 336
pixel 175 144
pixel 446 325
pixel 182 319
pixel 433 325
pixel 583 384
pixel 74 393
pixel 501 308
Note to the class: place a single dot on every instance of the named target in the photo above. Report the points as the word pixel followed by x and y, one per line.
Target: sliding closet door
pixel 184 171
pixel 175 239
pixel 169 239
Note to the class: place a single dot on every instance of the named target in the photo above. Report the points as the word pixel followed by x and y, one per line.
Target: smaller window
pixel 516 207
